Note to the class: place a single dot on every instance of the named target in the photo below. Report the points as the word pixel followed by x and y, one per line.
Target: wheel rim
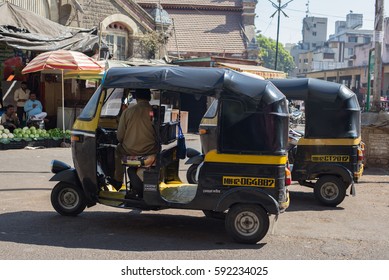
pixel 247 223
pixel 68 198
pixel 329 191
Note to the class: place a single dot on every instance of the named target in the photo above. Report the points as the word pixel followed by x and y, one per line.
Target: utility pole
pixel 279 10
pixel 378 36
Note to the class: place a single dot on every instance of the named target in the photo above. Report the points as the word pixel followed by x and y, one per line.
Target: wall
pixel 377 146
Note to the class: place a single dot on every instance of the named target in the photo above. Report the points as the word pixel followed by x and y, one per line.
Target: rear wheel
pixel 67 199
pixel 247 223
pixel 330 190
pixel 191 174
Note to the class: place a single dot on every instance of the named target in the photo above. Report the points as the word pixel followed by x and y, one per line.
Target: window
pixel 305 60
pixel 314 25
pixel 353 39
pixel 366 40
pixel 328 55
pixel 314 33
pixel 116 36
pixel 212 110
pixel 117 46
pixel 243 131
pixel 313 45
pixel 350 51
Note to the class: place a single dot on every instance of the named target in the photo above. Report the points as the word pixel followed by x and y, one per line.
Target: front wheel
pixel 67 199
pixel 247 223
pixel 191 174
pixel 330 190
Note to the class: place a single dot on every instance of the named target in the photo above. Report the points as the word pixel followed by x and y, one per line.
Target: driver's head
pixel 142 94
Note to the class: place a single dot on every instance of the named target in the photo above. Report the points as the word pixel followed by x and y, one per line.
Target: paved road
pixel 31 229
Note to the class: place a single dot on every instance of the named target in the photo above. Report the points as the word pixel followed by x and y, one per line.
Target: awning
pixel 254 69
pixel 25 30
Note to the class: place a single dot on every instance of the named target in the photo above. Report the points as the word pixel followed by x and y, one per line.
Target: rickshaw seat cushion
pixel 139 161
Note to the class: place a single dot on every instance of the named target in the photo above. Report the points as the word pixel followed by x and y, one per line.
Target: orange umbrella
pixel 62 60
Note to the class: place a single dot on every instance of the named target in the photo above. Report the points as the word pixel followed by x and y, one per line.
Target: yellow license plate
pixel 330 158
pixel 249 181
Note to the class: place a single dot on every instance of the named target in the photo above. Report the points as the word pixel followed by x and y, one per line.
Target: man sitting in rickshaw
pixel 137 142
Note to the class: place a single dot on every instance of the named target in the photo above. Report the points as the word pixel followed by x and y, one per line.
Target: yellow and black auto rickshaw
pixel 243 178
pixel 329 157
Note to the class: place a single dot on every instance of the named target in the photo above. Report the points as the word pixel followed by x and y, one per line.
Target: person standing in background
pixel 21 95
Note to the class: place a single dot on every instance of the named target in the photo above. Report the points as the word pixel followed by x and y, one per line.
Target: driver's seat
pixel 133 164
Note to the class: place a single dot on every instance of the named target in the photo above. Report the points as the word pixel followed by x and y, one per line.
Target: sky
pixel 334 10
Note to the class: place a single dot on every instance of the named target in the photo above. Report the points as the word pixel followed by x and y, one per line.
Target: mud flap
pixel 274 224
pixel 352 189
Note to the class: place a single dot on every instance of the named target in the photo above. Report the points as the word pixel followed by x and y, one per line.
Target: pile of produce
pixel 31 134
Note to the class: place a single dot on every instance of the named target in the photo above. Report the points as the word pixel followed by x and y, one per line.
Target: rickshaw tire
pixel 191 174
pixel 336 181
pixel 241 217
pixel 214 214
pixel 73 193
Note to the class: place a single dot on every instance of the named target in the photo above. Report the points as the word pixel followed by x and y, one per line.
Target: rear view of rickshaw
pixel 243 178
pixel 329 157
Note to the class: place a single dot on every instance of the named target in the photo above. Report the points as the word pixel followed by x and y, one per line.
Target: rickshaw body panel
pixel 84 149
pixel 313 160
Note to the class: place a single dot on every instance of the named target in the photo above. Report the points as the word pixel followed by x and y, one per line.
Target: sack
pixel 181 146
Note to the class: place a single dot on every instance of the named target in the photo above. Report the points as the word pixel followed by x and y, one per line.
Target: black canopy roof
pixel 331 110
pixel 194 80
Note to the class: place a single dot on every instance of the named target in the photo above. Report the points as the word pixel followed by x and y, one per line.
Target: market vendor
pixel 9 118
pixel 20 96
pixel 33 108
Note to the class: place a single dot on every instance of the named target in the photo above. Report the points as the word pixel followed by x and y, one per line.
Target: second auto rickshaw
pixel 243 176
pixel 329 157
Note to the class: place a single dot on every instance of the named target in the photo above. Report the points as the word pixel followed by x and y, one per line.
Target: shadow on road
pixel 303 201
pixel 118 231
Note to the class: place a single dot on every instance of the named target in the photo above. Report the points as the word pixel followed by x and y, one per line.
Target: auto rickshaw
pixel 329 156
pixel 243 178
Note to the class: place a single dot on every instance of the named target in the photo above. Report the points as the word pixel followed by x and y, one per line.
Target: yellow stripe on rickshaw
pixel 329 142
pixel 213 156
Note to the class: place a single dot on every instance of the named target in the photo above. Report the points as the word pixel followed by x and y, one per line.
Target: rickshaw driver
pixel 137 138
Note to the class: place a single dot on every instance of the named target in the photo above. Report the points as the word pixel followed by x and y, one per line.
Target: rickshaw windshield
pixel 212 110
pixel 90 108
pixel 113 102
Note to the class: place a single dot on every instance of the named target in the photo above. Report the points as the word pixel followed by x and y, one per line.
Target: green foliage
pixel 267 54
pixel 151 42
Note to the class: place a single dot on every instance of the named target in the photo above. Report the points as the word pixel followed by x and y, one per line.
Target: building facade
pixel 184 29
pixel 204 28
pixel 314 32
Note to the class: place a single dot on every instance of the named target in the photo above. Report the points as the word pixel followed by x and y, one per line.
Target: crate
pixel 13 145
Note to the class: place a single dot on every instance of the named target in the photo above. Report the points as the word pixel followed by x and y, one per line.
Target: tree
pixel 267 54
